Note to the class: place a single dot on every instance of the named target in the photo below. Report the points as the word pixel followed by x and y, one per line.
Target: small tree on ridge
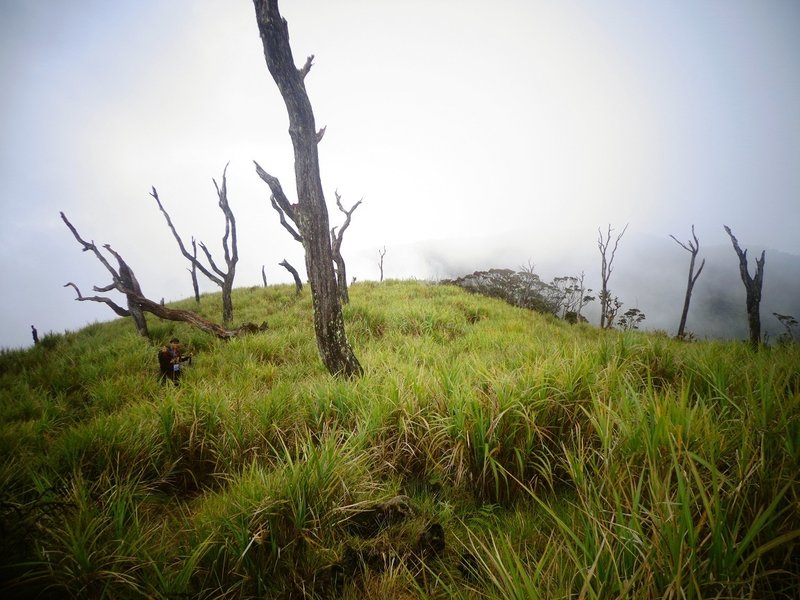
pixel 607 304
pixel 693 248
pixel 752 286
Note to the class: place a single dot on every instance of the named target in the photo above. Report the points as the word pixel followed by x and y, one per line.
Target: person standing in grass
pixel 169 361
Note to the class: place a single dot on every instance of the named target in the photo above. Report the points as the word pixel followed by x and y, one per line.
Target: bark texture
pixel 310 215
pixel 693 247
pixel 752 286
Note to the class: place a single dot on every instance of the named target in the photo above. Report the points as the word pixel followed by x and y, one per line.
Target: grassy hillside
pixel 488 452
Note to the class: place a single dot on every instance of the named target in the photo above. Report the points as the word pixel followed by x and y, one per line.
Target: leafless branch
pixel 336 248
pixel 113 305
pixel 307 67
pixel 87 246
pixel 297 282
pixel 284 222
pixel 229 242
pixel 280 202
pixel 210 260
pixel 192 259
pixel 348 214
pixel 223 278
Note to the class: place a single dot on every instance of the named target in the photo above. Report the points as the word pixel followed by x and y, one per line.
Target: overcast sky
pixel 479 134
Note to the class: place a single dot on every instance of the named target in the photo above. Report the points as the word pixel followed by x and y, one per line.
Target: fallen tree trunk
pixel 121 282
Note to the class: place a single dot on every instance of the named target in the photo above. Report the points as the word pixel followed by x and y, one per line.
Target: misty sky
pixel 478 134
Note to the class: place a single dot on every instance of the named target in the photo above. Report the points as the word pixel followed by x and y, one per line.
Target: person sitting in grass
pixel 169 361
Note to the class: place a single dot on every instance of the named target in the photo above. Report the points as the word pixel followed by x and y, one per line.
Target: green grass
pixel 560 461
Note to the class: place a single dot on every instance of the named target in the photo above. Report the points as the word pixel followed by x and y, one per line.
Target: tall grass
pixel 560 461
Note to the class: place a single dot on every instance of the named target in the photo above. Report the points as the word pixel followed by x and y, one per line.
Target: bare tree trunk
pixel 693 248
pixel 124 281
pixel 224 279
pixel 129 281
pixel 193 271
pixel 752 286
pixel 298 284
pixel 381 253
pixel 310 213
pixel 264 275
pixel 336 248
pixel 606 307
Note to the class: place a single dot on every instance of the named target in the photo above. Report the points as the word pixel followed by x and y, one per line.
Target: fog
pixel 478 135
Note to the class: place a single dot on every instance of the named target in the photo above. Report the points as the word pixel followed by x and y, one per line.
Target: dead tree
pixel 381 253
pixel 336 248
pixel 603 244
pixel 224 279
pixel 193 271
pixel 752 286
pixel 124 281
pixel 309 215
pixel 121 279
pixel 298 284
pixel 692 247
pixel 264 275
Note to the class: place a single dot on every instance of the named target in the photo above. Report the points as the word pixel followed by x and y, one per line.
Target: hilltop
pixel 488 451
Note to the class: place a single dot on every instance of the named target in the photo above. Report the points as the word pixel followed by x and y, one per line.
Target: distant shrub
pixel 519 288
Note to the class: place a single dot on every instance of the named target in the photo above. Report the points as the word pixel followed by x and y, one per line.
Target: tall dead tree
pixel 124 281
pixel 336 248
pixel 310 215
pixel 224 279
pixel 752 286
pixel 606 302
pixel 692 247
